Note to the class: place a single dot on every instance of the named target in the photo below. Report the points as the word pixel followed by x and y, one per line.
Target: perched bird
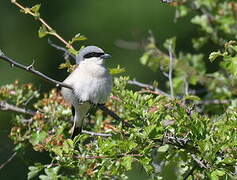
pixel 91 83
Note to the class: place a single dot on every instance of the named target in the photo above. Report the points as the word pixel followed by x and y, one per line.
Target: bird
pixel 91 83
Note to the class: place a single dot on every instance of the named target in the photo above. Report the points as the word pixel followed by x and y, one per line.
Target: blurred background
pixel 106 23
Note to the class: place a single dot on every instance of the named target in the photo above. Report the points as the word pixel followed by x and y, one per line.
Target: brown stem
pixel 53 32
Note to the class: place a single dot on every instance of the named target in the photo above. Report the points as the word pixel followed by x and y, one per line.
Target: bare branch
pixel 61 49
pixel 147 86
pixel 200 162
pixel 4 106
pixel 186 87
pixel 31 69
pixel 96 134
pixel 102 157
pixel 171 71
pixel 7 161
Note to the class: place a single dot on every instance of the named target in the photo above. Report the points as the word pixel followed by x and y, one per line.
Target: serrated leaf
pixel 77 37
pixel 117 70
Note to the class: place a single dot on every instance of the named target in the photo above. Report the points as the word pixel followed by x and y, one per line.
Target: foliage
pixel 192 135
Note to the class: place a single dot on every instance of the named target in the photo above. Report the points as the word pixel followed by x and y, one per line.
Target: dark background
pixel 103 22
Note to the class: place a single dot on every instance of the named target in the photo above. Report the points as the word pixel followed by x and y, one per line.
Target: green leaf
pixel 203 21
pixel 192 97
pixel 144 59
pixel 230 64
pixel 38 137
pixel 215 175
pixel 42 31
pixel 36 9
pixel 77 37
pixel 68 146
pixel 170 44
pixel 215 55
pixel 127 162
pixel 117 70
pixel 58 150
pixel 163 148
pixel 52 171
pixel 34 170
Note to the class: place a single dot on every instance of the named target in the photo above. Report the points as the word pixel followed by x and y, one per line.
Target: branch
pixel 31 69
pixel 61 49
pixel 9 160
pixel 201 163
pixel 171 71
pixel 147 86
pixel 96 134
pixel 4 106
pixel 102 157
pixel 49 28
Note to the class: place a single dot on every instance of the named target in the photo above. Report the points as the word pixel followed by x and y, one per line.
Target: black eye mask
pixel 93 54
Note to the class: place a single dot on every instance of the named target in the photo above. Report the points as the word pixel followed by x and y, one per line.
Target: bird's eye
pixel 93 54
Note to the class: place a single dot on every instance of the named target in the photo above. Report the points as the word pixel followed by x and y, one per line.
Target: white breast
pixel 91 82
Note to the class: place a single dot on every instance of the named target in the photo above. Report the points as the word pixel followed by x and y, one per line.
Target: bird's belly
pixel 94 89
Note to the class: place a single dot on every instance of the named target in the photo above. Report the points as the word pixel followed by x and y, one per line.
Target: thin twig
pixel 49 28
pixel 4 106
pixel 96 134
pixel 102 157
pixel 9 160
pixel 171 71
pixel 186 87
pixel 31 69
pixel 61 49
pixel 147 86
pixel 200 163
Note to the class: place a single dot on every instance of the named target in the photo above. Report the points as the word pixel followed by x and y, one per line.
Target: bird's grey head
pixel 89 52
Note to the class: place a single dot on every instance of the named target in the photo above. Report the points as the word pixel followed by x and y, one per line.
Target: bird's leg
pixel 77 130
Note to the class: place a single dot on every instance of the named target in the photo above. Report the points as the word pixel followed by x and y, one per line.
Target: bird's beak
pixel 105 56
